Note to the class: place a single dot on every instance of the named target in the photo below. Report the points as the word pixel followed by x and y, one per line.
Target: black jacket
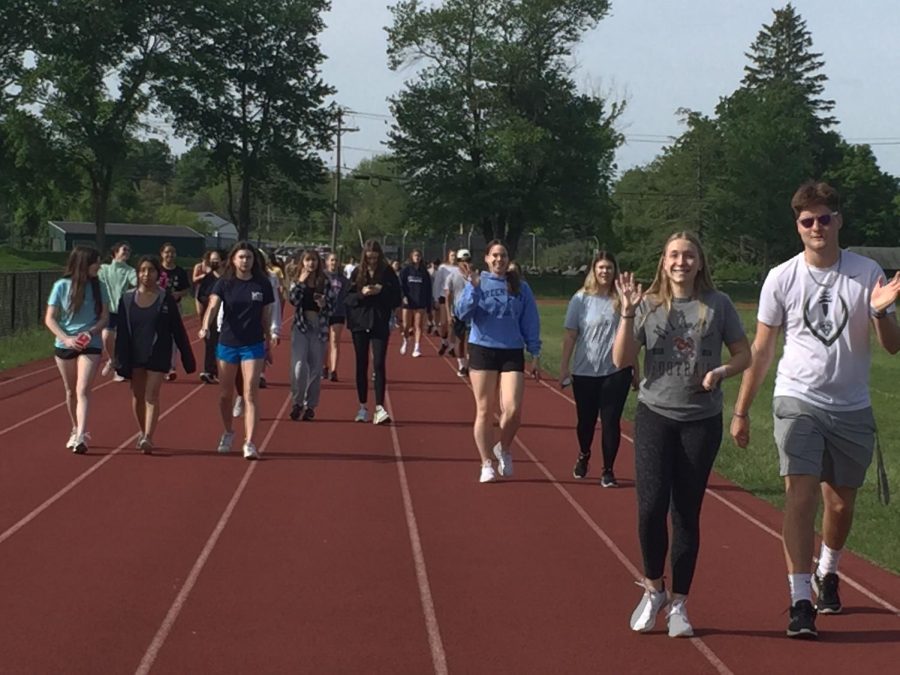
pixel 372 312
pixel 169 328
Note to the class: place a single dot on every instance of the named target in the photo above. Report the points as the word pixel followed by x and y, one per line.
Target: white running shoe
pixel 643 618
pixel 417 352
pixel 488 475
pixel 250 451
pixel 403 346
pixel 505 465
pixel 362 415
pixel 679 624
pixel 145 445
pixel 140 439
pixel 118 378
pixel 225 442
pixel 381 415
pixel 238 408
pixel 73 439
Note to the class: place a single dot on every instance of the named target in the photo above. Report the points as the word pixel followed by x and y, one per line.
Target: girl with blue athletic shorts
pixel 245 293
pixel 77 313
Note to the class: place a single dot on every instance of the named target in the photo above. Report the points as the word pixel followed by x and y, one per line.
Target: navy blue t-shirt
pixel 243 310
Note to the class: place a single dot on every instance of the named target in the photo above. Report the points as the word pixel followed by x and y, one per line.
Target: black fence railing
pixel 23 299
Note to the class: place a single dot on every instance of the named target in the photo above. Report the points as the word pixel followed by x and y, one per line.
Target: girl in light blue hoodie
pixel 505 321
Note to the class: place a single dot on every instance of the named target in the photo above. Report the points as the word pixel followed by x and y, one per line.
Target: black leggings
pixel 672 462
pixel 604 396
pixel 362 341
pixel 210 364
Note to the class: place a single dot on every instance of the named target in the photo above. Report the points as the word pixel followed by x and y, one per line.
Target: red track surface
pixel 355 548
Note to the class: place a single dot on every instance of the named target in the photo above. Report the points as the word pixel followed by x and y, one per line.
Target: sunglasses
pixel 824 220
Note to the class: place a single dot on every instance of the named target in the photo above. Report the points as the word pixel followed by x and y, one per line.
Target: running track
pixel 352 548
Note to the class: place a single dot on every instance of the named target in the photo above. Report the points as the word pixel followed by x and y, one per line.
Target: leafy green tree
pixel 492 130
pixel 781 55
pixel 244 82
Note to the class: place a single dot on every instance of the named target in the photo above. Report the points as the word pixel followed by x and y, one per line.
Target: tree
pixel 244 83
pixel 781 55
pixel 18 29
pixel 492 130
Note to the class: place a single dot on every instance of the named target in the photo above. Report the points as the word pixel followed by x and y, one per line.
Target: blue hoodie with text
pixel 500 320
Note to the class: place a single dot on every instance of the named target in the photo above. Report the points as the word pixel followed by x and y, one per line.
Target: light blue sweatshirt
pixel 500 320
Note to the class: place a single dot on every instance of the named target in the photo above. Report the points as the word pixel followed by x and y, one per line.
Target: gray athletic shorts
pixel 836 446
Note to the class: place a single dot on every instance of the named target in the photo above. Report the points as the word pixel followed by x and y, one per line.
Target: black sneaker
pixel 803 621
pixel 581 466
pixel 206 378
pixel 309 414
pixel 608 480
pixel 262 382
pixel 452 351
pixel 443 349
pixel 333 376
pixel 296 410
pixel 826 589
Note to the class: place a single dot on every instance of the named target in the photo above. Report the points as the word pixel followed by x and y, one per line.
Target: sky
pixel 659 56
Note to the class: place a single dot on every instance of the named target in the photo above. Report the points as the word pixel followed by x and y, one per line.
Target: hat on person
pixel 463 254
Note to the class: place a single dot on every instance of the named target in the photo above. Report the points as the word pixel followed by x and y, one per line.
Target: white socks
pixel 800 587
pixel 828 560
pixel 460 363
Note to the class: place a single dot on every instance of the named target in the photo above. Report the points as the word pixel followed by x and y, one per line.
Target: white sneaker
pixel 381 415
pixel 643 618
pixel 238 408
pixel 403 346
pixel 417 352
pixel 145 445
pixel 505 465
pixel 362 415
pixel 118 378
pixel 679 625
pixel 140 439
pixel 225 442
pixel 488 475
pixel 250 451
pixel 73 439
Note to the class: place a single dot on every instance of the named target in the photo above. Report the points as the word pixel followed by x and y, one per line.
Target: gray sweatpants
pixel 307 356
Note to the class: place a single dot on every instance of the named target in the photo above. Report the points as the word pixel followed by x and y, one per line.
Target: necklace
pixel 829 278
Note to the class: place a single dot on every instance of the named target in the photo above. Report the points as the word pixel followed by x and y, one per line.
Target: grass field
pixel 876 530
pixel 13 260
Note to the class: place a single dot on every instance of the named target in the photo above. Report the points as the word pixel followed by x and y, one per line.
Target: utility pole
pixel 337 178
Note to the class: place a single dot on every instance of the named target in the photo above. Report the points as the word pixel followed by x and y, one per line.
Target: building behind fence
pixel 23 299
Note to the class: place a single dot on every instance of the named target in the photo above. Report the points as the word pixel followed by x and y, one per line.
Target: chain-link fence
pixel 23 299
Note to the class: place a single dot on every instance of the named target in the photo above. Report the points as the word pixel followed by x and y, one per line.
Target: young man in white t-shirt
pixel 824 299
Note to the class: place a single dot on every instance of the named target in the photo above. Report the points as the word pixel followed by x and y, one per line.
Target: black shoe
pixel 262 382
pixel 309 414
pixel 205 378
pixel 608 479
pixel 296 410
pixel 581 466
pixel 803 621
pixel 333 376
pixel 443 349
pixel 826 589
pixel 452 351
pixel 80 449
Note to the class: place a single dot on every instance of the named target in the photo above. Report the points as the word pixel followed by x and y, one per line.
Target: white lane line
pixel 59 405
pixel 59 495
pixel 871 595
pixel 178 604
pixel 698 643
pixel 29 374
pixel 438 656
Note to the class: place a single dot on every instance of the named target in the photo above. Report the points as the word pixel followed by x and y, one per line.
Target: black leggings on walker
pixel 362 342
pixel 604 397
pixel 672 462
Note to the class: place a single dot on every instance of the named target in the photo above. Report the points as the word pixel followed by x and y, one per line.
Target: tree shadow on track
pixel 825 635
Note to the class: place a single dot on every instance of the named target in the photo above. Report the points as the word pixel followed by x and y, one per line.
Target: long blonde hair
pixel 660 292
pixel 592 286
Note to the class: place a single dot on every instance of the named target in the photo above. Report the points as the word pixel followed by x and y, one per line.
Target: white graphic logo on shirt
pixel 256 296
pixel 823 318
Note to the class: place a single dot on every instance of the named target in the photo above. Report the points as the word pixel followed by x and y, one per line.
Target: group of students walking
pixel 824 299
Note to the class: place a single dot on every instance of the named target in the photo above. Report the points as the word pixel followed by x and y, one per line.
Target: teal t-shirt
pixel 595 319
pixel 117 277
pixel 82 320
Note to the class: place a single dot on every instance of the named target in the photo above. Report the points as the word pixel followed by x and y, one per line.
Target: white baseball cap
pixel 463 254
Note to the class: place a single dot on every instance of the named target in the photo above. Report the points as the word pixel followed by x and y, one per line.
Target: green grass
pixel 25 346
pixel 876 527
pixel 13 260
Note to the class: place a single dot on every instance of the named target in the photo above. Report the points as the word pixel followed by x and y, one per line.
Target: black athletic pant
pixel 604 396
pixel 210 364
pixel 362 342
pixel 672 462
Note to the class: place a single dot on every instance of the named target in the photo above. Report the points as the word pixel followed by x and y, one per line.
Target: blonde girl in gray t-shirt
pixel 682 322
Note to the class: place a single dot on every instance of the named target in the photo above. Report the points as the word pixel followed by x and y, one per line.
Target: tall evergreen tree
pixel 781 54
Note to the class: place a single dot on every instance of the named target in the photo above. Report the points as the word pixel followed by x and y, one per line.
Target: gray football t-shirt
pixel 681 346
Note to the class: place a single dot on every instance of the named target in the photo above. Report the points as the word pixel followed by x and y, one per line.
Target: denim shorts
pixel 239 354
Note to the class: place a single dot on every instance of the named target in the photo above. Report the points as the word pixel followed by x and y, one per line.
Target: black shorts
pixel 497 360
pixel 460 328
pixel 442 300
pixel 337 320
pixel 113 321
pixel 69 354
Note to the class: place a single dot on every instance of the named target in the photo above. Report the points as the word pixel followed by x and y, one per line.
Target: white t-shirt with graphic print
pixel 826 317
